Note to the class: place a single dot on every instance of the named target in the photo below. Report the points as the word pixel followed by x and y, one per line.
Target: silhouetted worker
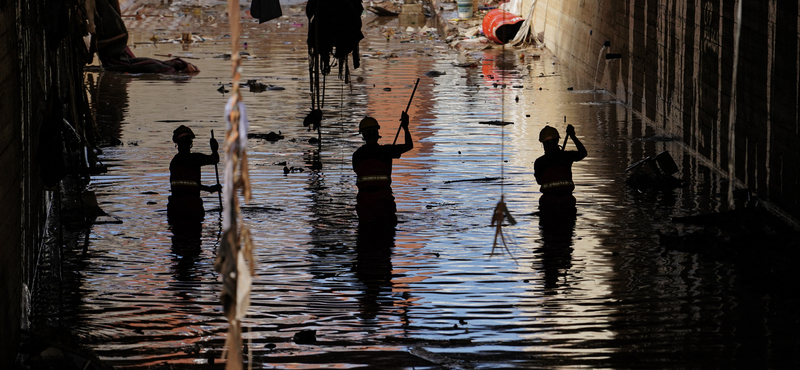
pixel 372 163
pixel 553 172
pixel 185 204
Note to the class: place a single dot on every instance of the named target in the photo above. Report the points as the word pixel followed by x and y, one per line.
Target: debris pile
pixel 654 172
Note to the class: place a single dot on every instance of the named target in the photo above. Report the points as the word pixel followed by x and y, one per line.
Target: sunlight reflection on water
pixel 147 298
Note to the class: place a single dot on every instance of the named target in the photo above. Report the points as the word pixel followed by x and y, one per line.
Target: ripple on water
pixel 601 293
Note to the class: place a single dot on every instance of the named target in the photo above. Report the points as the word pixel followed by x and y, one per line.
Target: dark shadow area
pixel 556 249
pixel 373 269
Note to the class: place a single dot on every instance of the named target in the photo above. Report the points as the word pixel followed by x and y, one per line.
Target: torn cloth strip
pixel 265 10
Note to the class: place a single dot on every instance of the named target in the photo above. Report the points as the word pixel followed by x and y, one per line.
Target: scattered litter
pixel 384 9
pixel 472 32
pixel 465 65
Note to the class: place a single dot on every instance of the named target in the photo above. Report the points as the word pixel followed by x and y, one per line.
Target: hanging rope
pixel 501 210
pixel 234 261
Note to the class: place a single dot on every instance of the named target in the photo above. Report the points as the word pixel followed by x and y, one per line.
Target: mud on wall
pixel 42 107
pixel 677 71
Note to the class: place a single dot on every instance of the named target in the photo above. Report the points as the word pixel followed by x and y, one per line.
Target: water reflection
pixel 186 248
pixel 109 98
pixel 555 251
pixel 580 288
pixel 373 269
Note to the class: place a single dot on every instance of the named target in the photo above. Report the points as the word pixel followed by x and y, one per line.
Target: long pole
pixel 216 172
pixel 407 108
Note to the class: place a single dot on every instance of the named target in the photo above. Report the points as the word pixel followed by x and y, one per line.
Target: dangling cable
pixel 501 210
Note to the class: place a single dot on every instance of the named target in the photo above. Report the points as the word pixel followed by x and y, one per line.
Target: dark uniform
pixel 372 163
pixel 553 171
pixel 373 166
pixel 184 180
pixel 185 204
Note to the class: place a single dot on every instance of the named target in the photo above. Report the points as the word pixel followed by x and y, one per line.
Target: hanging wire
pixel 501 210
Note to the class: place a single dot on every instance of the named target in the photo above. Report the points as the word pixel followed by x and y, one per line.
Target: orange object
pixel 501 26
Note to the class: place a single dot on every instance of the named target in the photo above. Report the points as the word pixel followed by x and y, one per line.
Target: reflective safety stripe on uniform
pixel 373 173
pixel 187 183
pixel 557 184
pixel 368 178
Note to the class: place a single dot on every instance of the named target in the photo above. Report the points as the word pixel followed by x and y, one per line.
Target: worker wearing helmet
pixel 553 171
pixel 184 177
pixel 372 163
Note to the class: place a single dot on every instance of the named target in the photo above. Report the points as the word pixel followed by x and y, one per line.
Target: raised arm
pixel 214 157
pixel 409 143
pixel 582 153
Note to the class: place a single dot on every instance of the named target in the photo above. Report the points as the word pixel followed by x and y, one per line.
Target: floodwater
pixel 602 293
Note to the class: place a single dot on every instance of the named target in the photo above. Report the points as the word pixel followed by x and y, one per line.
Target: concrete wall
pixel 677 72
pixel 42 55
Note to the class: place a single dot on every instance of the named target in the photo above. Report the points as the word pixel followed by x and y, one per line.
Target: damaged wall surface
pixel 687 72
pixel 42 97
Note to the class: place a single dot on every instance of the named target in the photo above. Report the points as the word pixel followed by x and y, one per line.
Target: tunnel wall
pixel 43 108
pixel 677 71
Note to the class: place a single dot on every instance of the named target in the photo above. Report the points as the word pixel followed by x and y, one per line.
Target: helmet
pixel 548 133
pixel 182 133
pixel 368 123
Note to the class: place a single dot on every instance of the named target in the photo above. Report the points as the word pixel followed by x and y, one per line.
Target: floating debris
pixel 496 123
pixel 288 170
pixel 305 337
pixel 485 179
pixel 313 119
pixel 654 173
pixel 271 136
pixel 258 87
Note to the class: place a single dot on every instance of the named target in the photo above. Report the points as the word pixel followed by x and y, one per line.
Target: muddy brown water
pixel 603 293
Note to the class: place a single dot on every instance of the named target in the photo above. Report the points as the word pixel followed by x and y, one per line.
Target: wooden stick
pixel 216 172
pixel 407 108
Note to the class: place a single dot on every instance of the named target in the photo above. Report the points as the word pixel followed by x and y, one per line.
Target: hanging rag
pixel 525 30
pixel 265 10
pixel 334 29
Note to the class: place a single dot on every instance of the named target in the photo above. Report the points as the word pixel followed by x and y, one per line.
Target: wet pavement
pixel 606 292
